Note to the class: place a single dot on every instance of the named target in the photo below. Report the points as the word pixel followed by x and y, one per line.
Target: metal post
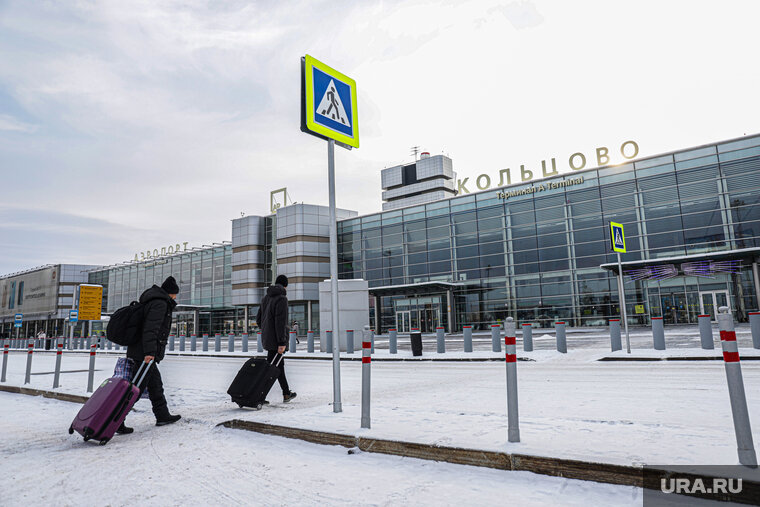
pixel 467 331
pixel 328 340
pixel 615 343
pixel 496 337
pixel 193 343
pixel 754 325
pixel 350 341
pixel 440 339
pixel 658 333
pixel 182 343
pixel 171 343
pixel 245 342
pixel 527 330
pixel 337 405
pixel 91 374
pixel 559 329
pixel 259 343
pixel 744 444
pixel 30 351
pixel 58 355
pixel 513 418
pixel 393 341
pixel 621 292
pixel 292 346
pixel 231 343
pixel 204 346
pixel 217 342
pixel 6 346
pixel 310 341
pixel 705 332
pixel 366 370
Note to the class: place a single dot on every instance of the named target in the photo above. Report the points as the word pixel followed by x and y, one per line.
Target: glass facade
pixel 536 257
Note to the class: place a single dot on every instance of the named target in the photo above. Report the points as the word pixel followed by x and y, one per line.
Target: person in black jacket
pixel 272 318
pixel 158 304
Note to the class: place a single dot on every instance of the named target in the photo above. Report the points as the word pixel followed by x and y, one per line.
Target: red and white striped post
pixel 6 346
pixel 513 419
pixel 30 351
pixel 58 354
pixel 744 443
pixel 91 375
pixel 366 371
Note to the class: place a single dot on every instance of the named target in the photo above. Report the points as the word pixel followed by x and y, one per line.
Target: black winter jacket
pixel 157 323
pixel 273 318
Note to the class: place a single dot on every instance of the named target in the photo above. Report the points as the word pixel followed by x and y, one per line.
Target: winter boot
pixel 124 429
pixel 287 397
pixel 169 419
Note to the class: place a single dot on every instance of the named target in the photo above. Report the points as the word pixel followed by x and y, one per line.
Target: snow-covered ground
pixel 571 406
pixel 195 463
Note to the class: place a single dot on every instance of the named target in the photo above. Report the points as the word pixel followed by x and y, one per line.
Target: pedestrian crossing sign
pixel 618 237
pixel 328 103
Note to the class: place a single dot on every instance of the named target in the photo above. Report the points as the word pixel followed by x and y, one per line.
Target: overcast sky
pixel 133 125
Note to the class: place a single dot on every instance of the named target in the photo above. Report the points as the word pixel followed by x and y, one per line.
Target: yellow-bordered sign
pixel 328 103
pixel 90 302
pixel 617 235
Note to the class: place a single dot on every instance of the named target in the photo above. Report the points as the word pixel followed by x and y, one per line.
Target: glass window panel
pixel 438 233
pixel 659 196
pixel 655 182
pixel 492 248
pixel 439 255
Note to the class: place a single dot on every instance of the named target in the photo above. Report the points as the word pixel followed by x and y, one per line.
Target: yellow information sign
pixel 90 302
pixel 639 309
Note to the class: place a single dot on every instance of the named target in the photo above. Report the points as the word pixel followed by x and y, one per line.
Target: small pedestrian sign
pixel 328 103
pixel 18 319
pixel 618 237
pixel 73 316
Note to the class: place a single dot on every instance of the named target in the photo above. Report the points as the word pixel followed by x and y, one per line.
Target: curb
pixel 571 469
pixel 74 398
pixel 687 358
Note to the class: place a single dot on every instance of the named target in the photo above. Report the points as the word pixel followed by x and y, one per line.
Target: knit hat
pixel 170 286
pixel 281 280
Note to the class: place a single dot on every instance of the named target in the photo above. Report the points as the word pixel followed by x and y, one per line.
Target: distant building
pixel 428 179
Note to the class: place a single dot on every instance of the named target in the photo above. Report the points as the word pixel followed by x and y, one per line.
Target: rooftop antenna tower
pixel 415 152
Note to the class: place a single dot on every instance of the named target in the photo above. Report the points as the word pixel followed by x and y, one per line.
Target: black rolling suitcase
pixel 254 381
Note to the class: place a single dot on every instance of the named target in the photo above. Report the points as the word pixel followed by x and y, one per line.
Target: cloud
pixel 11 124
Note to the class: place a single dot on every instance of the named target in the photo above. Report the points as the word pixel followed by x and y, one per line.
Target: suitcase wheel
pixel 104 441
pixel 258 406
pixel 86 438
pixel 71 430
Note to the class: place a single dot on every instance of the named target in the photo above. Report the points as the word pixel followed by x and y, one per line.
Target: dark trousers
pixel 155 386
pixel 281 379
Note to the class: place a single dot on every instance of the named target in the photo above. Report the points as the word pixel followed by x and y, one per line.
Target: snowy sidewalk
pixel 571 406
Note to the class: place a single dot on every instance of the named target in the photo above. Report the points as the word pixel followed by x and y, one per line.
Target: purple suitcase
pixel 108 406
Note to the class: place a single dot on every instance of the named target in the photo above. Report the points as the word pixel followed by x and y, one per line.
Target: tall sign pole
pixel 328 111
pixel 617 236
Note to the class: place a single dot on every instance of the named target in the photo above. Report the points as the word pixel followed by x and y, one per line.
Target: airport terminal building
pixel 538 251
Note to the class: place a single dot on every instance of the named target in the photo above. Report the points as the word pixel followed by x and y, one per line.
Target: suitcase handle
pixel 144 368
pixel 278 362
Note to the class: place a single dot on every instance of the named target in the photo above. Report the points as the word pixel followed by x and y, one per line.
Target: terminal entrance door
pixel 710 301
pixel 403 322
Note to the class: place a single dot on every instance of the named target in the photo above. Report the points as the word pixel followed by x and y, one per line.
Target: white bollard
pixel 366 373
pixel 29 353
pixel 658 333
pixel 467 336
pixel 559 329
pixel 6 346
pixel 91 374
pixel 58 355
pixel 496 337
pixel 310 341
pixel 513 418
pixel 705 332
pixel 615 340
pixel 744 444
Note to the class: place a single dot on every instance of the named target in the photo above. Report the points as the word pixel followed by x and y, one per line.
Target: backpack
pixel 125 324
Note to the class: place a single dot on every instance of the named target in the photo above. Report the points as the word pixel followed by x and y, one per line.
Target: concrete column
pixel 378 314
pixel 308 317
pixel 450 309
pixel 245 321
